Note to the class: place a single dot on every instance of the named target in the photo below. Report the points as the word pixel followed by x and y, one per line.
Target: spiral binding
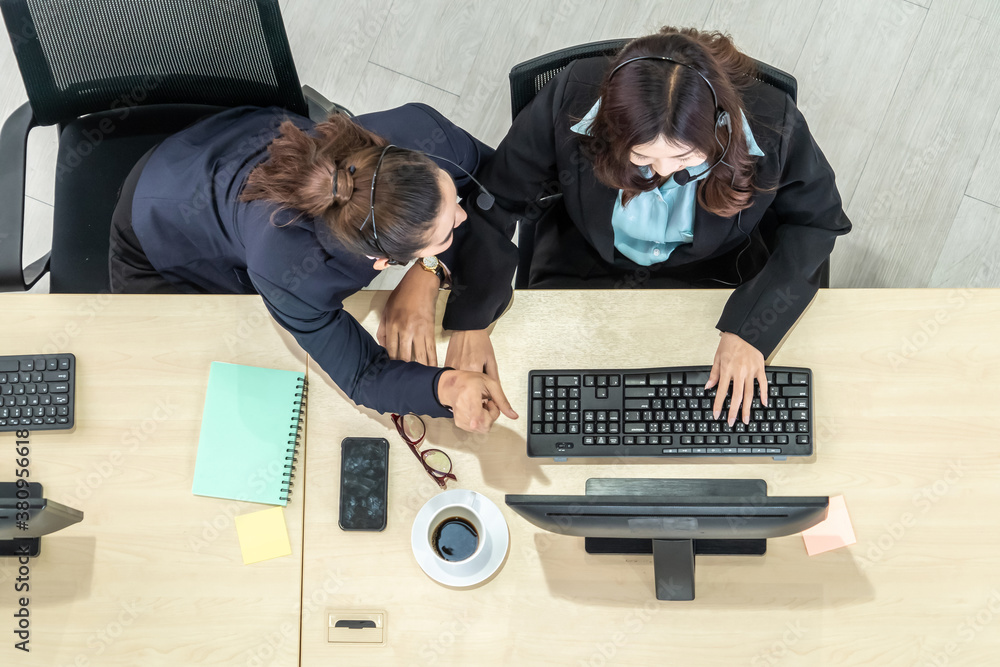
pixel 298 416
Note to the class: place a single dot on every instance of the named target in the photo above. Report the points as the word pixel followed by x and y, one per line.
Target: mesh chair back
pixel 85 56
pixel 777 78
pixel 527 78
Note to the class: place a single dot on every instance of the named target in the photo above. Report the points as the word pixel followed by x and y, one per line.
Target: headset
pixel 722 119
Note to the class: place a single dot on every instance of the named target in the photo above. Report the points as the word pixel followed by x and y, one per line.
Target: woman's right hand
pixel 476 400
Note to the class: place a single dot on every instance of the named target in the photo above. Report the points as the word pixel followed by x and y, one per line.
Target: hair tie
pixel 343 186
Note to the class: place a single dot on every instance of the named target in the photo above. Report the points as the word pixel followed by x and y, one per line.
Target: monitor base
pixel 673 560
pixel 21 546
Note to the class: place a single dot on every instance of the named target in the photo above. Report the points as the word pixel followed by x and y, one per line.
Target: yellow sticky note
pixel 832 533
pixel 263 535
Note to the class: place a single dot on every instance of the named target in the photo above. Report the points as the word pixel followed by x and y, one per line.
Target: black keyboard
pixel 36 392
pixel 664 412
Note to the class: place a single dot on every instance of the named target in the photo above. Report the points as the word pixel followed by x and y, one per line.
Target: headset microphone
pixel 682 177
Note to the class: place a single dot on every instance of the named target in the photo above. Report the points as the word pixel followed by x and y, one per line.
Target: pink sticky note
pixel 833 532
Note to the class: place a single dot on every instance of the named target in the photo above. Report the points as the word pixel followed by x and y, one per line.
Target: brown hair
pixel 649 98
pixel 328 175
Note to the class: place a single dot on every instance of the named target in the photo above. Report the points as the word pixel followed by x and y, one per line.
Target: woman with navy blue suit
pixel 262 201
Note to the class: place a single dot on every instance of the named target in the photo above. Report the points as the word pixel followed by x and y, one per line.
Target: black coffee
pixel 455 539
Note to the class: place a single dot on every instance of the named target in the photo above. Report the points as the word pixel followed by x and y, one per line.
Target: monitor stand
pixel 673 560
pixel 20 546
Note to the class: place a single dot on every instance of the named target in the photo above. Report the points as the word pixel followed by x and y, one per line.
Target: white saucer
pixel 481 565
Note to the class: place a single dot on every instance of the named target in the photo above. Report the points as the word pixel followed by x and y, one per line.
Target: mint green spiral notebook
pixel 250 432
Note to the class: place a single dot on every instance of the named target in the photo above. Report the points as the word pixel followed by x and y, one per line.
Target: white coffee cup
pixel 455 521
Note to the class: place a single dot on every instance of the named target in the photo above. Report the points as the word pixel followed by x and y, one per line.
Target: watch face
pixel 430 262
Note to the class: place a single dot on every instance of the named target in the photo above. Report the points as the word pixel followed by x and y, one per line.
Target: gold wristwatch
pixel 432 265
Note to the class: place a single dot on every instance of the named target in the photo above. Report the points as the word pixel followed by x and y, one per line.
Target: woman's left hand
pixel 407 323
pixel 738 362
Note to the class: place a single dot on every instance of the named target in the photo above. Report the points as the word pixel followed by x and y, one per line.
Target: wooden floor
pixel 902 96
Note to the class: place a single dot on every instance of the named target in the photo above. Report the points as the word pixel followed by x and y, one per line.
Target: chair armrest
pixel 13 156
pixel 320 108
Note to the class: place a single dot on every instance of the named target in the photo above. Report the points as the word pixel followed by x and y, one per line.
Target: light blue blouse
pixel 654 223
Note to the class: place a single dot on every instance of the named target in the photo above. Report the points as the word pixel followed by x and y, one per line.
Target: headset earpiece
pixel 723 120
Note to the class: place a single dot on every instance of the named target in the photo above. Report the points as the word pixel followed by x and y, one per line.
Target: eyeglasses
pixel 437 464
pixel 371 209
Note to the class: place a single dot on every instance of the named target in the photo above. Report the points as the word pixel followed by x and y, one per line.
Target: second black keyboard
pixel 664 412
pixel 37 392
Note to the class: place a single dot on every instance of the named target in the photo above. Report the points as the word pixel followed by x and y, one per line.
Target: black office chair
pixel 527 78
pixel 117 78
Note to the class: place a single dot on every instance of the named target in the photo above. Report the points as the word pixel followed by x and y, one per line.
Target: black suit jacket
pixel 788 231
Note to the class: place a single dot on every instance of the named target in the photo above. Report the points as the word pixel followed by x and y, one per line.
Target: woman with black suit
pixel 676 168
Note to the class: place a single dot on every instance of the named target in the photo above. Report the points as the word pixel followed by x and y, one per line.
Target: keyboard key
pixel 640 392
pixel 602 392
pixel 659 378
pixel 568 381
pixel 634 427
pixel 699 378
pixel 794 390
pixel 588 380
pixel 635 381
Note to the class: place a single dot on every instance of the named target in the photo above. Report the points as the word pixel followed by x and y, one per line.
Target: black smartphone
pixel 364 483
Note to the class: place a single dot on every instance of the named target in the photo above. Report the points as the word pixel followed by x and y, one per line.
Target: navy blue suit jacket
pixel 198 234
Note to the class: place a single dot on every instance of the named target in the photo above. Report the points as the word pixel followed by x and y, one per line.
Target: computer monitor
pixel 673 519
pixel 21 529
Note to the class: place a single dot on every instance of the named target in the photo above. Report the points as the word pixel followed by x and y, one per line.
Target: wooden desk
pixel 905 416
pixel 153 575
